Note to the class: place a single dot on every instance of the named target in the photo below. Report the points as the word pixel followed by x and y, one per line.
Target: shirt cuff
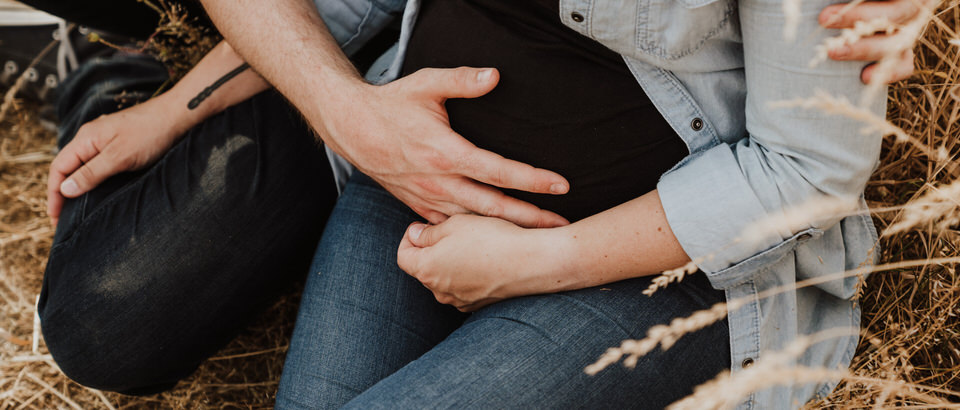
pixel 708 204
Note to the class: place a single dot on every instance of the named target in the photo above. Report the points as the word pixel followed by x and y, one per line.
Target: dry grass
pixel 911 319
pixel 909 355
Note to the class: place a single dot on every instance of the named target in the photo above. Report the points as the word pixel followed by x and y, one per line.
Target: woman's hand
pixel 127 140
pixel 872 48
pixel 471 261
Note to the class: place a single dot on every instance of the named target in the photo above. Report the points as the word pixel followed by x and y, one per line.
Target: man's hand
pixel 872 48
pixel 398 133
pixel 400 136
pixel 127 140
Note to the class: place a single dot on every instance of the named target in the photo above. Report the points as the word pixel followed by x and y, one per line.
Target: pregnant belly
pixel 564 102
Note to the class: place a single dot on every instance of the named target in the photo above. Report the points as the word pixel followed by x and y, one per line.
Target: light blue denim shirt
pixel 711 67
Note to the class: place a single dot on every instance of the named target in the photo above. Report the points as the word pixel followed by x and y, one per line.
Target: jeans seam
pixel 110 200
pixel 598 312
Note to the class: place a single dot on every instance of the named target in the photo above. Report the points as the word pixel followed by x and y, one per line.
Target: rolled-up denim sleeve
pixel 790 155
pixel 354 22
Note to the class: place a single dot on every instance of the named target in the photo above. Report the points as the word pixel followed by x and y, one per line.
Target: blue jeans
pixel 370 336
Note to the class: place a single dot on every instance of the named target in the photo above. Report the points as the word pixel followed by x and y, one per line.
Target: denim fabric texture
pixel 153 271
pixel 712 68
pixel 370 336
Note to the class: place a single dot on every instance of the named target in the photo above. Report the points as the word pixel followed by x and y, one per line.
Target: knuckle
pixel 84 175
pixel 493 209
pixel 439 161
pixel 444 298
pixel 462 77
pixel 456 219
pixel 494 206
pixel 429 186
pixel 125 162
pixel 498 177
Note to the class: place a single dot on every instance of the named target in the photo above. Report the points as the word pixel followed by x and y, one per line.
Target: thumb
pixel 463 82
pixel 87 177
pixel 408 256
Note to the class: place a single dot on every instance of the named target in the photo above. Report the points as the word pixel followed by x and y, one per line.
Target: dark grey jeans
pixel 153 271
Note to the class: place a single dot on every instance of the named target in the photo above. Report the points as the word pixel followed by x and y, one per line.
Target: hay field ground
pixel 910 350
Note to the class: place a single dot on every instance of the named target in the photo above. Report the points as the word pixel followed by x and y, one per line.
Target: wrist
pixel 559 248
pixel 327 89
pixel 173 114
pixel 332 108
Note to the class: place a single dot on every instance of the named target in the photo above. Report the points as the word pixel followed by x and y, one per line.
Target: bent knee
pixel 96 346
pixel 91 356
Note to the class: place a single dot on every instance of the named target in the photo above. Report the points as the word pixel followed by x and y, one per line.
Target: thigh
pixel 151 272
pixel 361 318
pixel 531 352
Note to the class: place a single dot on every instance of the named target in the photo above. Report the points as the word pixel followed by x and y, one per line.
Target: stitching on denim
pixel 536 329
pixel 591 7
pixel 661 52
pixel 643 16
pixel 766 266
pixel 693 104
pixel 756 332
pixel 598 312
pixel 114 197
pixel 667 113
pixel 360 27
pixel 101 208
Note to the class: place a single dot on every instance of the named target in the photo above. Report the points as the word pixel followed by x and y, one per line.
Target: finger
pixel 54 199
pixel 897 11
pixel 901 71
pixel 408 254
pixel 444 298
pixel 88 176
pixel 436 212
pixel 463 82
pixel 488 201
pixel 493 169
pixel 423 235
pixel 54 207
pixel 70 158
pixel 872 48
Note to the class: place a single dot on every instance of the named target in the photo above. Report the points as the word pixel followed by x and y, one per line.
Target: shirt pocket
pixel 673 29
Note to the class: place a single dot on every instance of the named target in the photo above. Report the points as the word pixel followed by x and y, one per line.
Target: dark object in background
pixel 24 34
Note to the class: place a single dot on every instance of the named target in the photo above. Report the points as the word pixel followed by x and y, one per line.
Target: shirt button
pixel 696 124
pixel 747 363
pixel 576 16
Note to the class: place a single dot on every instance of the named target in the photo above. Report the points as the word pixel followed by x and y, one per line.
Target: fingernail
pixel 69 188
pixel 416 230
pixel 558 189
pixel 827 18
pixel 841 52
pixel 484 75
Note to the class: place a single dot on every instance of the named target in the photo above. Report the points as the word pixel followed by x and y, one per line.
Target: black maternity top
pixel 564 102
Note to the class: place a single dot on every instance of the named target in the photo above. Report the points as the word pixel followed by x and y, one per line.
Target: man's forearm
pixel 287 42
pixel 210 70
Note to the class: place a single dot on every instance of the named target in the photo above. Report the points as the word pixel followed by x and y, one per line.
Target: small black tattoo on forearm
pixel 196 101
